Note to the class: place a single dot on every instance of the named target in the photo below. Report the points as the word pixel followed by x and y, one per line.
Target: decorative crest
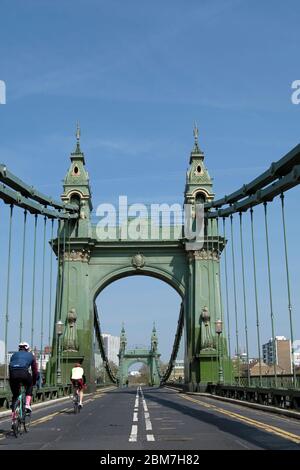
pixel 138 261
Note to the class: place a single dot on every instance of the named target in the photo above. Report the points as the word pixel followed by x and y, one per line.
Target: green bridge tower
pixel 90 261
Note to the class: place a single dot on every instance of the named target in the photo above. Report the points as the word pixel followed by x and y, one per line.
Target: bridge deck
pixel 165 420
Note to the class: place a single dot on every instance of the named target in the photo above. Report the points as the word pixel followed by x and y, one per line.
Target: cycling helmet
pixel 24 345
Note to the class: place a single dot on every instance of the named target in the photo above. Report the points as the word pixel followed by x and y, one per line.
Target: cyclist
pixel 19 374
pixel 78 378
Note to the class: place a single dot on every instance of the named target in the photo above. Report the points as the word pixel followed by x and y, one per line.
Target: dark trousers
pixel 18 377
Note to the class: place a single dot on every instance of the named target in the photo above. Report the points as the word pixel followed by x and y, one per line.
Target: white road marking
pixel 145 405
pixel 133 435
pixel 148 425
pixel 134 429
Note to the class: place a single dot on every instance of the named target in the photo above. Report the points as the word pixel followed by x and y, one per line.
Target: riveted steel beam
pixel 277 170
pixel 24 189
pixel 262 195
pixel 10 196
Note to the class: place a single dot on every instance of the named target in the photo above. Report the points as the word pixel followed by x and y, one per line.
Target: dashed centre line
pixel 134 428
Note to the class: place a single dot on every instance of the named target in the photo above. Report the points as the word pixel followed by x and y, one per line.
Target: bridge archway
pixel 131 297
pixel 138 301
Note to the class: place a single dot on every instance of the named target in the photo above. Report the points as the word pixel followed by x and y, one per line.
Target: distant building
pixel 296 355
pixel 256 368
pixel 112 347
pixel 178 370
pixel 2 352
pixel 42 359
pixel 278 352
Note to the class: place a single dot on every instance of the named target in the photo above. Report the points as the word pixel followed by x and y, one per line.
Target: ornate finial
pixel 196 133
pixel 78 133
pixel 196 148
pixel 153 329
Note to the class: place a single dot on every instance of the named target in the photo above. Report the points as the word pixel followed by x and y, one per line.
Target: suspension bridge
pixel 56 265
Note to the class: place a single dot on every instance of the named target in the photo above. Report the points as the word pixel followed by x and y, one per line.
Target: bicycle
pixel 76 398
pixel 20 416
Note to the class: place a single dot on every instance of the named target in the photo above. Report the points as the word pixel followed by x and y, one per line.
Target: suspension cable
pixel 288 288
pixel 51 285
pixel 213 269
pixel 244 295
pixel 256 297
pixel 220 293
pixel 43 295
pixel 270 294
pixel 235 299
pixel 226 291
pixel 8 291
pixel 22 277
pixel 33 279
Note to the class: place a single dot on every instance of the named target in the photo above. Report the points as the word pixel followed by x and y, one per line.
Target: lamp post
pixel 59 332
pixel 218 330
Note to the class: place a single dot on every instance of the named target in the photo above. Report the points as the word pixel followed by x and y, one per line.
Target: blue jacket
pixel 22 360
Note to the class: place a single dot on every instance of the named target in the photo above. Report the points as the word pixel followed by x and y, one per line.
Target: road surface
pixel 152 419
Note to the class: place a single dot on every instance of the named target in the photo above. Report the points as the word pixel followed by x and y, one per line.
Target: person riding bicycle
pixel 78 379
pixel 19 374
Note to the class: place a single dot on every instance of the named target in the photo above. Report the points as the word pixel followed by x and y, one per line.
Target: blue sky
pixel 137 75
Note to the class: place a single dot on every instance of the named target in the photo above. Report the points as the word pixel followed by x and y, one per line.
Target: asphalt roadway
pixel 152 419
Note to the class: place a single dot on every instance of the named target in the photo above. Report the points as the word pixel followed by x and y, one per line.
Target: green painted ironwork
pixel 286 170
pixel 87 264
pixel 128 357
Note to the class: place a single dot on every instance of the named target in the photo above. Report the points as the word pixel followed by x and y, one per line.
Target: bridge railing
pixel 280 397
pixel 39 394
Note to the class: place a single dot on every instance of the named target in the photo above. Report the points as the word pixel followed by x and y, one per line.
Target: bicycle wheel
pixel 26 421
pixel 75 402
pixel 16 422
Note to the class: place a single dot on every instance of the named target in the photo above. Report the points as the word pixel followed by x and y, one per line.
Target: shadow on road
pixel 228 425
